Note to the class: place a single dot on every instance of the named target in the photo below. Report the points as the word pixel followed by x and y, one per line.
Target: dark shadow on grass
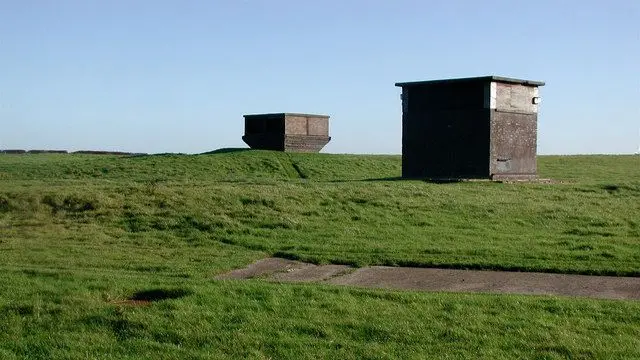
pixel 610 187
pixel 510 268
pixel 312 259
pixel 225 151
pixel 152 295
pixel 444 181
pixel 613 188
pixel 249 246
pixel 395 178
pixel 400 178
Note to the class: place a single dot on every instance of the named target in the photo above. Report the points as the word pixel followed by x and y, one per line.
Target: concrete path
pixel 602 287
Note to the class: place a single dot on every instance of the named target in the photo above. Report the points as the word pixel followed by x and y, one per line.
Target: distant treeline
pixel 89 152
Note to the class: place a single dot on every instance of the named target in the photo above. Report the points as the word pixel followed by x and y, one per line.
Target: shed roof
pixel 284 114
pixel 473 79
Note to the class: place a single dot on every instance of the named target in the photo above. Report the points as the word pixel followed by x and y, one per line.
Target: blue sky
pixel 177 76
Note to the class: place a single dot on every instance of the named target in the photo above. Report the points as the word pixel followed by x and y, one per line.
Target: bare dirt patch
pixel 424 279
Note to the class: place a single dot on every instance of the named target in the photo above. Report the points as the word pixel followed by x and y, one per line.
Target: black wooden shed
pixel 481 127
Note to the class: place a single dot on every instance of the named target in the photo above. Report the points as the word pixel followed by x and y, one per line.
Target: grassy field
pixel 81 233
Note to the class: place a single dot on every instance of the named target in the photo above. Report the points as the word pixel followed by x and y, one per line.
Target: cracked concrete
pixel 426 279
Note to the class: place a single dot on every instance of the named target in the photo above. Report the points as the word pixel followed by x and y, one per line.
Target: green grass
pixel 80 232
pixel 75 315
pixel 338 209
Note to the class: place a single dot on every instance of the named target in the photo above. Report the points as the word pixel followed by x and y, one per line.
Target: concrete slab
pixel 604 287
pixel 312 273
pixel 424 279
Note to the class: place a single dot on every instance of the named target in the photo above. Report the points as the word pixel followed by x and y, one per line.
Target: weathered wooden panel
pixel 254 126
pixel 265 141
pixel 444 142
pixel 450 96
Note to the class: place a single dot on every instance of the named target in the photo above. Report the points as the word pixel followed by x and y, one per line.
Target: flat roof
pixel 473 79
pixel 285 114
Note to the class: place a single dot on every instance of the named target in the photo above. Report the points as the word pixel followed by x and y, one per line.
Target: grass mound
pixel 79 233
pixel 348 209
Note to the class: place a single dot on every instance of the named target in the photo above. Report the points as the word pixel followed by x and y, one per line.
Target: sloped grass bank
pixel 113 257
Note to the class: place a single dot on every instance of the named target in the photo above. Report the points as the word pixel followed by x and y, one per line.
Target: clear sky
pixel 177 76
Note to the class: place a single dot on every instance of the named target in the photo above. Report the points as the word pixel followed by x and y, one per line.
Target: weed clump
pixel 70 203
pixel 5 206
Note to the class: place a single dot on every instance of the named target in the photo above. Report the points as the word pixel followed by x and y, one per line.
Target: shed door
pixel 513 143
